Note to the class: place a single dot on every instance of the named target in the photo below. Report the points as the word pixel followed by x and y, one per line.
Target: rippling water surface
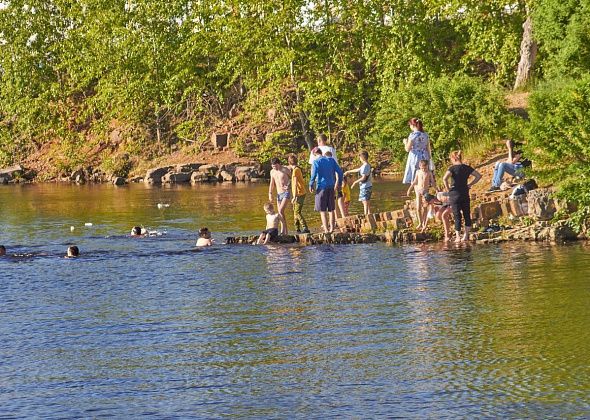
pixel 151 327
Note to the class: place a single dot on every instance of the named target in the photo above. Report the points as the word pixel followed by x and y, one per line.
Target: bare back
pixel 272 221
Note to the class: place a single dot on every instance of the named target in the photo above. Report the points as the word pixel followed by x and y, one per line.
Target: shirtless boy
pixel 272 225
pixel 280 178
pixel 423 180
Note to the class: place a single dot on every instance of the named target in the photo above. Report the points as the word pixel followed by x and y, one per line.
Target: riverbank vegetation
pixel 112 83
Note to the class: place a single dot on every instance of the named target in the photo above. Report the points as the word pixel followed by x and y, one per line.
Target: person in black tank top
pixel 459 193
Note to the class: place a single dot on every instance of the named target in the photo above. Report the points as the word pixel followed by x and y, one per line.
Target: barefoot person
pixel 280 178
pixel 459 192
pixel 298 191
pixel 323 181
pixel 418 147
pixel 365 181
pixel 421 184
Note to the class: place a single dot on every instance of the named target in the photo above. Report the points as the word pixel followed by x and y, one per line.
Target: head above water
pixel 136 231
pixel 269 208
pixel 204 232
pixel 456 156
pixel 73 251
pixel 2 250
pixel 416 123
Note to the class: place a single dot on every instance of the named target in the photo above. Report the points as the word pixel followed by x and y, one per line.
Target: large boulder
pixel 540 204
pixel 198 177
pixel 118 180
pixel 154 176
pixel 210 170
pixel 188 167
pixel 176 177
pixel 79 177
pixel 226 176
pixel 245 173
pixel 11 172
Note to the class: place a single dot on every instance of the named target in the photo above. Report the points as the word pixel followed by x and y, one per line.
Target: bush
pixel 456 113
pixel 559 136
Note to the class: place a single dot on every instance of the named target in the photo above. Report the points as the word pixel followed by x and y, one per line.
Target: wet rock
pixel 154 176
pixel 4 179
pixel 11 172
pixel 561 231
pixel 210 170
pixel 245 173
pixel 79 177
pixel 136 179
pixel 176 177
pixel 198 177
pixel 117 180
pixel 226 176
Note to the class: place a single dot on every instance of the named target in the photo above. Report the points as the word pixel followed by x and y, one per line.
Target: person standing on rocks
pixel 418 147
pixel 459 192
pixel 298 191
pixel 324 171
pixel 323 146
pixel 280 178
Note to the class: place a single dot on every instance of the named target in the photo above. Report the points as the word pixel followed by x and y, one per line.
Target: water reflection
pixel 152 327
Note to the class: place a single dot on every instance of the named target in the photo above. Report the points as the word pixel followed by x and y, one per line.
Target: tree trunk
pixel 528 55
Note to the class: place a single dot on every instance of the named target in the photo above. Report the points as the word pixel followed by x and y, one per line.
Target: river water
pixel 151 327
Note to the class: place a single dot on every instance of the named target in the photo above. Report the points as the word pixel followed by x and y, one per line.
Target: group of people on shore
pixel 328 182
pixel 454 197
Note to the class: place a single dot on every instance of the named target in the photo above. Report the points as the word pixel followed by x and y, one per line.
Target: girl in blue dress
pixel 418 147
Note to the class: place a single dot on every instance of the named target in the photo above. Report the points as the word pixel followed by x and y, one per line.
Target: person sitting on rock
pixel 513 165
pixel 442 211
pixel 271 233
pixel 204 237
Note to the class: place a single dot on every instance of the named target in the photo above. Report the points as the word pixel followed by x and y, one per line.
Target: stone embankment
pixel 498 217
pixel 193 173
pixel 340 238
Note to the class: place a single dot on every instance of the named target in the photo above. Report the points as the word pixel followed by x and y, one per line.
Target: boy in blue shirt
pixel 323 174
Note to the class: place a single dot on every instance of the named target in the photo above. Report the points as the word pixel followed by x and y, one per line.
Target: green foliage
pixel 275 144
pixel 181 69
pixel 559 136
pixel 457 112
pixel 561 28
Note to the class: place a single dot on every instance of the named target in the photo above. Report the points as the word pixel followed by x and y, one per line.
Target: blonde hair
pixel 268 207
pixel 456 155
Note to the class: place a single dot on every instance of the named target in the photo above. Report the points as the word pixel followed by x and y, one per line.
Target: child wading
pixel 365 182
pixel 298 192
pixel 204 237
pixel 273 219
pixel 423 180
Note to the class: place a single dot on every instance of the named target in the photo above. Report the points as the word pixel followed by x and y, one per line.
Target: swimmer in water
pixel 138 231
pixel 73 252
pixel 204 237
pixel 2 250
